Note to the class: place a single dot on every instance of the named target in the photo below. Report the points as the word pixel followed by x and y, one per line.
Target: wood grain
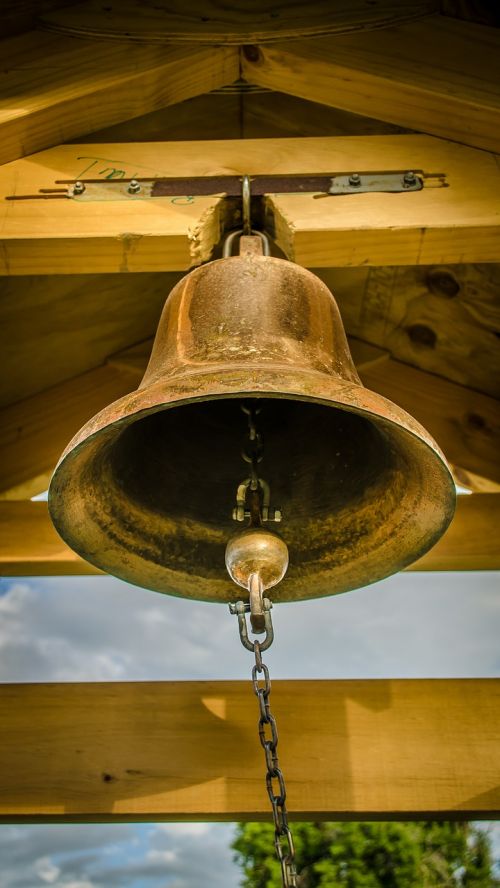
pixel 56 88
pixel 459 223
pixel 29 545
pixel 437 75
pixel 56 327
pixel 166 750
pixel 214 21
pixel 442 319
pixel 36 430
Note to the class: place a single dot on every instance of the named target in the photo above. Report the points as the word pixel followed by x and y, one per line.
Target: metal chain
pixel 275 782
pixel 253 450
pixel 268 732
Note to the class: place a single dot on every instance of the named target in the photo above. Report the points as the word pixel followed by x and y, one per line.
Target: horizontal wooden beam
pixel 29 545
pixel 457 223
pixel 83 85
pixel 436 74
pixel 188 750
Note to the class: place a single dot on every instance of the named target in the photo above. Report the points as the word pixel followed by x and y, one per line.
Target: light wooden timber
pixel 238 112
pixel 465 423
pixel 442 319
pixel 56 327
pixel 214 21
pixel 351 750
pixel 436 74
pixel 34 431
pixel 29 545
pixel 459 223
pixel 83 85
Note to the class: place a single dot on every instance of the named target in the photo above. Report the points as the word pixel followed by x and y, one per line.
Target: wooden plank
pixel 465 423
pixel 233 113
pixel 459 223
pixel 36 430
pixel 436 74
pixel 215 21
pixel 29 545
pixel 55 327
pixel 352 750
pixel 83 85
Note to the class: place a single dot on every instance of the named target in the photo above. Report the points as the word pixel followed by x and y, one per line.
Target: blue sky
pixel 98 628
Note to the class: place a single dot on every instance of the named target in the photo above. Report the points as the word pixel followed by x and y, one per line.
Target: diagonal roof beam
pixel 437 75
pixel 56 88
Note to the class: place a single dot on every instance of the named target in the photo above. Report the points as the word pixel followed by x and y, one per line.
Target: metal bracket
pixel 356 183
pixel 185 190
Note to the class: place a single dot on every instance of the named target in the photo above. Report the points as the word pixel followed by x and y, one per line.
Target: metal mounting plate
pixel 356 183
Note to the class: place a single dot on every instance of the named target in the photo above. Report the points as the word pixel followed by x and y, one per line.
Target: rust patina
pixel 146 490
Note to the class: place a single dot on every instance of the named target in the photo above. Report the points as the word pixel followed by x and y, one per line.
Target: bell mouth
pixel 147 494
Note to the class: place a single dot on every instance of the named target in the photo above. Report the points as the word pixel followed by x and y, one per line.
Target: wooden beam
pixel 436 74
pixel 352 750
pixel 29 545
pixel 465 423
pixel 458 223
pixel 37 429
pixel 84 85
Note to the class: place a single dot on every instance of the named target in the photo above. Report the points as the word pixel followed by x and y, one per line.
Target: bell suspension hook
pixel 251 241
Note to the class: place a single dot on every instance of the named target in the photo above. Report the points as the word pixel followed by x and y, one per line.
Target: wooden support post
pixel 351 750
pixel 436 74
pixel 29 545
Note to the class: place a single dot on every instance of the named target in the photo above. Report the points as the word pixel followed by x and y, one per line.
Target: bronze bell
pixel 146 489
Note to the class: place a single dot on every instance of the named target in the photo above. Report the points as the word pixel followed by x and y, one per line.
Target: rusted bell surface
pixel 146 489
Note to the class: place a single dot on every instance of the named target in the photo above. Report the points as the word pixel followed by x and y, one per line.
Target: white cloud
pixel 46 869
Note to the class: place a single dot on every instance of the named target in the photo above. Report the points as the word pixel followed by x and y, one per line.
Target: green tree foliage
pixel 371 855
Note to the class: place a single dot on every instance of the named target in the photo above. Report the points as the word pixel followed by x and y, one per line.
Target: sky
pixel 101 629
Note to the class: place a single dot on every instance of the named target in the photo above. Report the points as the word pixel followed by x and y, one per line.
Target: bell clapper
pixel 256 560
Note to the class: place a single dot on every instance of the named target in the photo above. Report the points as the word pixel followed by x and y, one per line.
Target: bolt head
pixel 355 179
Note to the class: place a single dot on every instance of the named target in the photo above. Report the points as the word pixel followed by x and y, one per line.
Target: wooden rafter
pixel 29 545
pixel 436 75
pixel 457 223
pixel 165 750
pixel 83 85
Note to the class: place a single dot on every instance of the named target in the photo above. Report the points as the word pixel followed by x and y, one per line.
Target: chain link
pixel 275 781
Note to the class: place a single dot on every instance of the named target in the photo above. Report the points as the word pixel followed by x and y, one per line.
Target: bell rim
pixel 166 393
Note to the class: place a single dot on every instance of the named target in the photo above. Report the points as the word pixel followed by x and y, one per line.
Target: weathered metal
pixel 146 489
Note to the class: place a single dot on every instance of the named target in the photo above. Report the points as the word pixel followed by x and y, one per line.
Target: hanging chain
pixel 258 512
pixel 275 782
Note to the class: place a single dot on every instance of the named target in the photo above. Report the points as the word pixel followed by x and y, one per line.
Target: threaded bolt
pixel 134 187
pixel 78 188
pixel 355 179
